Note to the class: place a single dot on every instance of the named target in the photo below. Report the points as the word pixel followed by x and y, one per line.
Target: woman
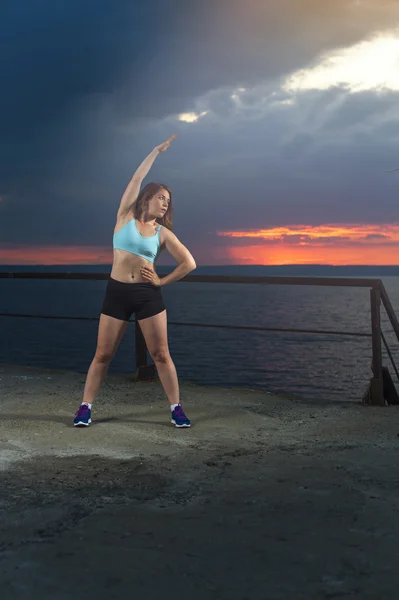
pixel 142 231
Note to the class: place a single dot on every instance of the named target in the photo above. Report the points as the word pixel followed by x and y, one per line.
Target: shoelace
pixel 82 410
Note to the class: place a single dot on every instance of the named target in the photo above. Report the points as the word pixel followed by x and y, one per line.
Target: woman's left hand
pixel 150 276
pixel 165 145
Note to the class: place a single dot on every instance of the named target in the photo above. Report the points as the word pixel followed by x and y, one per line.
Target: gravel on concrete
pixel 264 498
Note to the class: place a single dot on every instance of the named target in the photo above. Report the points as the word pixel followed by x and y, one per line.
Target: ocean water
pixel 307 365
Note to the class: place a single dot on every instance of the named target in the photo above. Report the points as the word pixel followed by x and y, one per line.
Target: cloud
pixel 53 255
pixel 368 65
pixel 191 117
pixel 322 234
pixel 87 93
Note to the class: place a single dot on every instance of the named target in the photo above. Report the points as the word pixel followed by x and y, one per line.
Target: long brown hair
pixel 145 196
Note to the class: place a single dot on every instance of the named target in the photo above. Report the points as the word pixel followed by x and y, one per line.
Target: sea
pixel 305 365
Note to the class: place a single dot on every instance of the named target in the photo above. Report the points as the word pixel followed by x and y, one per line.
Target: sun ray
pixel 369 65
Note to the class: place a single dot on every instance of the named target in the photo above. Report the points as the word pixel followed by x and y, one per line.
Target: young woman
pixel 142 231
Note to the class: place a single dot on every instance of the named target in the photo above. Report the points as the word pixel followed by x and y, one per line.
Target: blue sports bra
pixel 130 239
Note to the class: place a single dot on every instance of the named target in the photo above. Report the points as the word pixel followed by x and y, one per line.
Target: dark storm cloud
pixel 62 59
pixel 355 109
pixel 57 53
pixel 83 79
pixel 286 168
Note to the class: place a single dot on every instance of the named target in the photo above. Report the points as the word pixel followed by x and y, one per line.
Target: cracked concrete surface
pixel 264 498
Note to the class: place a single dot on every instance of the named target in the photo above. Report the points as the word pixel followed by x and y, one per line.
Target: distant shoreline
pixel 253 270
pixel 223 266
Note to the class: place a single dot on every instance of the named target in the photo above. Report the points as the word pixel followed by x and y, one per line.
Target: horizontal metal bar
pixel 63 317
pixel 283 280
pixel 212 325
pixel 274 280
pixel 51 275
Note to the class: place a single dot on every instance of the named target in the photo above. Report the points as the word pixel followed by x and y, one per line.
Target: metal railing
pixel 378 295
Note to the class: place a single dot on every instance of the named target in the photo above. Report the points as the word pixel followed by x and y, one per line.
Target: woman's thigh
pixel 110 333
pixel 155 332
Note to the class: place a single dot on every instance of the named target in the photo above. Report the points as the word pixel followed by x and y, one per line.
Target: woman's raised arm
pixel 133 189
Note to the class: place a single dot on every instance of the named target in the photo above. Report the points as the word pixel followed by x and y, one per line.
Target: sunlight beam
pixel 369 65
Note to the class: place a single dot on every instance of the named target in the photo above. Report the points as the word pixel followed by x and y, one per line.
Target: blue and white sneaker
pixel 179 418
pixel 83 416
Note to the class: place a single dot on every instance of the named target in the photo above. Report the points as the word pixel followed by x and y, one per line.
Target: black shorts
pixel 123 299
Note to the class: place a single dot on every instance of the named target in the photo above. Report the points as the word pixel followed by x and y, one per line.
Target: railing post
pixel 144 371
pixel 376 396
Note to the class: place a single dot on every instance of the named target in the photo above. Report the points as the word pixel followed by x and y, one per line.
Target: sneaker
pixel 83 416
pixel 179 418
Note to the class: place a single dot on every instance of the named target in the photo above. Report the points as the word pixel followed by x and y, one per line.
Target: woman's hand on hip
pixel 150 276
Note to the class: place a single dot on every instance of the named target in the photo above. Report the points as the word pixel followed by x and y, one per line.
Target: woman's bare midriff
pixel 126 267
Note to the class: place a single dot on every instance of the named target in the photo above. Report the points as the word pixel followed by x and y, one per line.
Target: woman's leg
pixel 156 337
pixel 110 333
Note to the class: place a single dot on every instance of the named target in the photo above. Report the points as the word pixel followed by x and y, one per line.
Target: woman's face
pixel 159 204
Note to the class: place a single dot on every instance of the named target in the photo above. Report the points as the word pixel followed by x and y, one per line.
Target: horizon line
pixel 209 266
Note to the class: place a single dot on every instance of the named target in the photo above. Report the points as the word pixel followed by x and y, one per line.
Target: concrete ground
pixel 264 498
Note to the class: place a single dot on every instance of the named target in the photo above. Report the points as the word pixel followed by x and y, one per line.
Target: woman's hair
pixel 145 196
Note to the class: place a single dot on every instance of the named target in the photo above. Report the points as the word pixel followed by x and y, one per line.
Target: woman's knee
pixel 103 355
pixel 160 355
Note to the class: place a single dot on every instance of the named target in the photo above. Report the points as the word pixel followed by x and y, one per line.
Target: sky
pixel 287 115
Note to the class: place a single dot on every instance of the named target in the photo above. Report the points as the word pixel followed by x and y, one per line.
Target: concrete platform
pixel 264 498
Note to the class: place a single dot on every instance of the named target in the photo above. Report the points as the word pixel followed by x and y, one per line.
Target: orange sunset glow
pixel 55 255
pixel 292 244
pixel 323 244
